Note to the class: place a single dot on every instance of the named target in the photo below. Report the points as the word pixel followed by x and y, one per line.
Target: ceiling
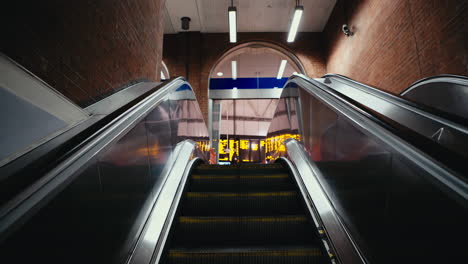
pixel 210 16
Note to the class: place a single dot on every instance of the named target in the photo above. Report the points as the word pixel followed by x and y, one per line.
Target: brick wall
pixel 85 49
pixel 398 42
pixel 194 54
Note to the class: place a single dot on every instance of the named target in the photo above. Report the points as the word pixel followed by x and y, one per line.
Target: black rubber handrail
pixel 413 85
pixel 30 167
pixel 448 116
pixel 452 160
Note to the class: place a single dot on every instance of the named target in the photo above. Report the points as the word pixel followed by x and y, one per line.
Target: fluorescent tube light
pixel 234 69
pixel 281 69
pixel 232 24
pixel 295 23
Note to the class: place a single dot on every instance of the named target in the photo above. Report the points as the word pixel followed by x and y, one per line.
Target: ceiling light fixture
pixel 234 69
pixel 295 22
pixel 281 69
pixel 232 12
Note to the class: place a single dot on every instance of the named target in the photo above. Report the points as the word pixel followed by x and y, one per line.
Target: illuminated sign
pixel 271 146
pixel 204 145
pixel 275 145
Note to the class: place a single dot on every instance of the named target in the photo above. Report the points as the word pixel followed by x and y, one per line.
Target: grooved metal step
pixel 242 203
pixel 245 229
pixel 243 182
pixel 296 255
pixel 243 214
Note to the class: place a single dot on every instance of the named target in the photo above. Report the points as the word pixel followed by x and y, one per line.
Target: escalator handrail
pixel 38 193
pixel 448 119
pixel 387 133
pixel 436 78
pixel 150 244
pixel 414 131
pixel 28 168
pixel 320 207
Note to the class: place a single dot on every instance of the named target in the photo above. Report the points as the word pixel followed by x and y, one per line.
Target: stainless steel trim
pixel 120 98
pixel 151 242
pixel 307 176
pixel 443 78
pixel 54 181
pixel 431 166
pixel 31 88
pixel 391 106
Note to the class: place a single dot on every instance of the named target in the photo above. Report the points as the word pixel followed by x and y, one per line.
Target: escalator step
pixel 252 255
pixel 244 166
pixel 245 182
pixel 244 229
pixel 250 203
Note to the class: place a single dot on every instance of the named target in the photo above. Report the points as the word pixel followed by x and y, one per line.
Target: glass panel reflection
pixel 95 219
pixel 390 205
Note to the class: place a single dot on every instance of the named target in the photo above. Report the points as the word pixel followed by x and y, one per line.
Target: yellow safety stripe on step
pixel 200 220
pixel 263 253
pixel 259 194
pixel 209 177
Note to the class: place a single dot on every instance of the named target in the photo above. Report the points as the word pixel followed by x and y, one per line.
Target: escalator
pixel 353 181
pixel 390 183
pixel 243 214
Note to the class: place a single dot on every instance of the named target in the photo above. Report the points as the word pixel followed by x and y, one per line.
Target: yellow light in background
pixel 244 144
pixel 234 149
pixel 282 148
pixel 222 146
pixel 152 150
pixel 276 143
pixel 254 146
pixel 204 145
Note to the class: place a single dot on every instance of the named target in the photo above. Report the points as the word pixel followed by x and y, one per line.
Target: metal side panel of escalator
pixel 92 203
pixel 395 195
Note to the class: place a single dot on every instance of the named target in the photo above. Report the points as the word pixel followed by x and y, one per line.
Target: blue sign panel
pixel 247 83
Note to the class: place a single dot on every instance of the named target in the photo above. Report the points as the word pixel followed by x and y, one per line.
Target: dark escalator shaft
pixel 243 214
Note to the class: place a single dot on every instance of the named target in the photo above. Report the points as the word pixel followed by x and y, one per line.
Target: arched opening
pixel 244 87
pixel 164 72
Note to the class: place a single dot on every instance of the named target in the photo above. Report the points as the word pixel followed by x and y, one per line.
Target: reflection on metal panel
pixel 387 193
pixel 417 118
pixel 158 127
pixel 100 209
pixel 23 124
pixel 284 125
pixel 446 93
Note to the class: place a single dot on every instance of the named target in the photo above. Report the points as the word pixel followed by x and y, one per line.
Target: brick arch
pixel 285 51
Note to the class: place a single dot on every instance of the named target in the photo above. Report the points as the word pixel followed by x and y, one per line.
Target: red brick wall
pixel 398 42
pixel 85 49
pixel 197 53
